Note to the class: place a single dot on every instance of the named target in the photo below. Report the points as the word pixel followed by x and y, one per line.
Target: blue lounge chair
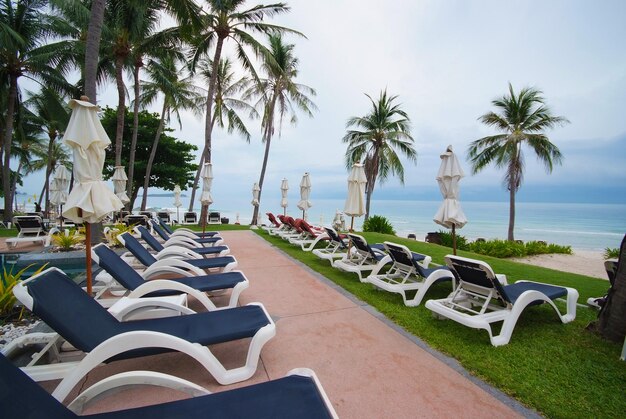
pixel 362 257
pixel 196 240
pixel 336 248
pixel 196 286
pixel 482 298
pixel 92 329
pixel 225 263
pixel 196 247
pixel 299 394
pixel 409 273
pixel 167 228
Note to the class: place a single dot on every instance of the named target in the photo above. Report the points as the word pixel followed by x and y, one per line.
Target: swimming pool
pixel 72 263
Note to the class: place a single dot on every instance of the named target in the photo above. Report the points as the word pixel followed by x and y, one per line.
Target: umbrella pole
pixel 352 225
pixel 204 219
pixel 285 211
pixel 88 256
pixel 453 239
pixel 303 215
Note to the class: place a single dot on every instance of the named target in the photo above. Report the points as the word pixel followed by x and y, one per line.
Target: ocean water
pixel 582 226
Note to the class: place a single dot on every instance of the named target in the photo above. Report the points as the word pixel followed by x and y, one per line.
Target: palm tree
pixel 226 106
pixel 279 95
pixel 523 118
pixel 178 94
pixel 24 29
pixel 92 47
pixel 51 114
pixel 381 134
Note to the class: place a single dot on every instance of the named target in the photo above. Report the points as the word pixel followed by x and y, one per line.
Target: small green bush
pixel 611 253
pixel 378 224
pixel 507 249
pixel 446 240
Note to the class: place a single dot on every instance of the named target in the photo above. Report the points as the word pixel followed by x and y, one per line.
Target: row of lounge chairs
pixel 203 266
pixel 478 297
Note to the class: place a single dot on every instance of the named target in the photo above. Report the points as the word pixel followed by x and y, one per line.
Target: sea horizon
pixel 584 226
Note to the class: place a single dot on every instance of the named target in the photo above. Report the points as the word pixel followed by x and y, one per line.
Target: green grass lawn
pixel 560 370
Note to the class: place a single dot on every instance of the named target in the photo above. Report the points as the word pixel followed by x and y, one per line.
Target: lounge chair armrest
pixel 182 232
pixel 182 242
pixel 177 252
pixel 164 284
pixel 112 385
pixel 133 305
pixel 172 265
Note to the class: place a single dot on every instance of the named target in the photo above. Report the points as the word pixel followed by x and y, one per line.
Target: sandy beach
pixel 582 262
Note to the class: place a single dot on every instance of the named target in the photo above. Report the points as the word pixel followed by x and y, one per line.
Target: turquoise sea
pixel 582 226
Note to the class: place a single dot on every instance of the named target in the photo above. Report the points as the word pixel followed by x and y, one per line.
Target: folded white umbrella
pixel 450 213
pixel 119 184
pixel 355 202
pixel 207 182
pixel 255 194
pixel 91 199
pixel 284 187
pixel 305 193
pixel 177 202
pixel 55 193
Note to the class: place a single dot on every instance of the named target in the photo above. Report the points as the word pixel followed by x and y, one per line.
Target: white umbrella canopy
pixel 55 193
pixel 58 185
pixel 119 184
pixel 305 193
pixel 255 194
pixel 177 202
pixel 91 199
pixel 207 182
pixel 284 187
pixel 355 202
pixel 450 213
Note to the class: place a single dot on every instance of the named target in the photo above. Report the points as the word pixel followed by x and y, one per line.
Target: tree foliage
pixel 174 158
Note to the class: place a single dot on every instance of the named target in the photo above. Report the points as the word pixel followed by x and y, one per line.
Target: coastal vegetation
pixel 560 370
pixel 376 140
pixel 503 248
pixel 611 253
pixel 378 224
pixel 523 118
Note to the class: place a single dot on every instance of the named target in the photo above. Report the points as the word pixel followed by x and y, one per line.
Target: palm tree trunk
pixel 511 211
pixel 52 136
pixel 94 32
pixel 14 185
pixel 208 125
pixel 121 109
pixel 133 141
pixel 268 141
pixel 8 137
pixel 611 323
pixel 195 182
pixel 155 144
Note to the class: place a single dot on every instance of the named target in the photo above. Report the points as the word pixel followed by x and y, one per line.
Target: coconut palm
pixel 226 106
pixel 24 31
pixel 178 94
pixel 51 115
pixel 523 118
pixel 380 135
pixel 229 20
pixel 279 96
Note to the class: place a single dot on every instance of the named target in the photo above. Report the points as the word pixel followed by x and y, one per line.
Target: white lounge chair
pixel 90 328
pixel 31 229
pixel 362 257
pixel 481 299
pixel 409 273
pixel 336 248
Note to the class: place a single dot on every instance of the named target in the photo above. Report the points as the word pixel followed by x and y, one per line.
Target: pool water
pixel 72 263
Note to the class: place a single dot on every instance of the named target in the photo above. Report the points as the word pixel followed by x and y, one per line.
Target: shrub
pixel 7 299
pixel 66 241
pixel 507 249
pixel 378 224
pixel 611 253
pixel 446 240
pixel 112 233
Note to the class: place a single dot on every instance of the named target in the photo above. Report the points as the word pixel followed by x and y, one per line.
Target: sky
pixel 446 60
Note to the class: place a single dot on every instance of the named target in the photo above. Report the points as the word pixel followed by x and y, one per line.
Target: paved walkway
pixel 368 369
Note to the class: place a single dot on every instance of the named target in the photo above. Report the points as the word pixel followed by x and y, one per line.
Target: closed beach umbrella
pixel 207 182
pixel 119 184
pixel 58 188
pixel 255 194
pixel 91 199
pixel 284 187
pixel 450 213
pixel 177 201
pixel 305 193
pixel 355 202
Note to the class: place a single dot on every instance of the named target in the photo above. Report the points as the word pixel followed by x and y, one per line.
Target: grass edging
pixel 559 370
